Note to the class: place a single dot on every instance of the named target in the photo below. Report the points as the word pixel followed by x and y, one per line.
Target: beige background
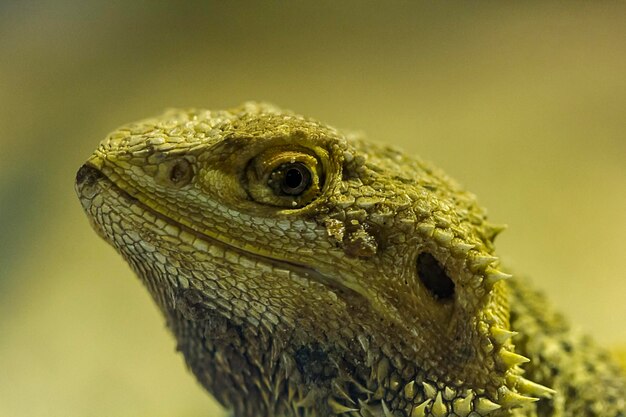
pixel 523 103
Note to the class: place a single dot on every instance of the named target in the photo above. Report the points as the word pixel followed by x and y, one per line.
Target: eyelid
pixel 261 168
pixel 265 167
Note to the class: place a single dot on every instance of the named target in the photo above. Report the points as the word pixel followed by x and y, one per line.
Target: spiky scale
pixel 339 408
pixel 339 389
pixel 420 410
pixel 531 388
pixel 307 401
pixel 358 387
pixel 409 390
pixel 463 406
pixel 501 336
pixel 480 262
pixel 511 359
pixel 484 406
pixel 493 276
pixel 439 409
pixel 511 399
pixel 492 230
pixel 429 390
pixel 449 394
pixel 460 247
pixel 443 237
pixel 386 410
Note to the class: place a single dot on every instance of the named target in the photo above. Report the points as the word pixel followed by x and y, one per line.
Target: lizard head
pixel 305 270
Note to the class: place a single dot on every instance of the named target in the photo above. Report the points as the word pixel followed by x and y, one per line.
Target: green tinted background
pixel 523 103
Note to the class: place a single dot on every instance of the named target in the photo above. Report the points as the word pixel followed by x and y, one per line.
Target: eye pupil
pixel 287 178
pixel 293 178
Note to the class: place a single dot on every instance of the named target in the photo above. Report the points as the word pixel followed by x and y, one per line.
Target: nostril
pixel 87 179
pixel 174 173
pixel 434 277
pixel 87 175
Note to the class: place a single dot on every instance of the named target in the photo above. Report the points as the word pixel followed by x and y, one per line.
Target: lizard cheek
pixel 434 277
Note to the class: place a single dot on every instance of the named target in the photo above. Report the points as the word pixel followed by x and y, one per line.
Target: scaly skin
pixel 307 272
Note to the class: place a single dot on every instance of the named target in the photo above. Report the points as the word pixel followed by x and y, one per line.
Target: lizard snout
pixel 86 179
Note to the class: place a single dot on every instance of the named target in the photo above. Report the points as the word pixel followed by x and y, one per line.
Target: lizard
pixel 307 271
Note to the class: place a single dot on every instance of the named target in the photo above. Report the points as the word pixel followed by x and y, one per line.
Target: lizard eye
pixel 285 178
pixel 290 179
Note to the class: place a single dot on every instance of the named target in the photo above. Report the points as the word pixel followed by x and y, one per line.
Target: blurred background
pixel 523 103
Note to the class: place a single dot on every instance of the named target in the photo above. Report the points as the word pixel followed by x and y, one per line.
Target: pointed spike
pixel 360 388
pixel 409 390
pixel 531 388
pixel 386 410
pixel 429 390
pixel 307 401
pixel 439 409
pixel 443 237
pixel 448 393
pixel 484 406
pixel 493 230
pixel 501 336
pixel 420 410
pixel 493 275
pixel 363 404
pixel 342 392
pixel 480 262
pixel 463 406
pixel 460 248
pixel 511 359
pixel 510 399
pixel 339 408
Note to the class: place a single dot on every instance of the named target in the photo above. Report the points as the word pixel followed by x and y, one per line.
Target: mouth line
pixel 306 271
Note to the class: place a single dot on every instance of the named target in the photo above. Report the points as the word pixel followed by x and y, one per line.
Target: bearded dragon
pixel 305 271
